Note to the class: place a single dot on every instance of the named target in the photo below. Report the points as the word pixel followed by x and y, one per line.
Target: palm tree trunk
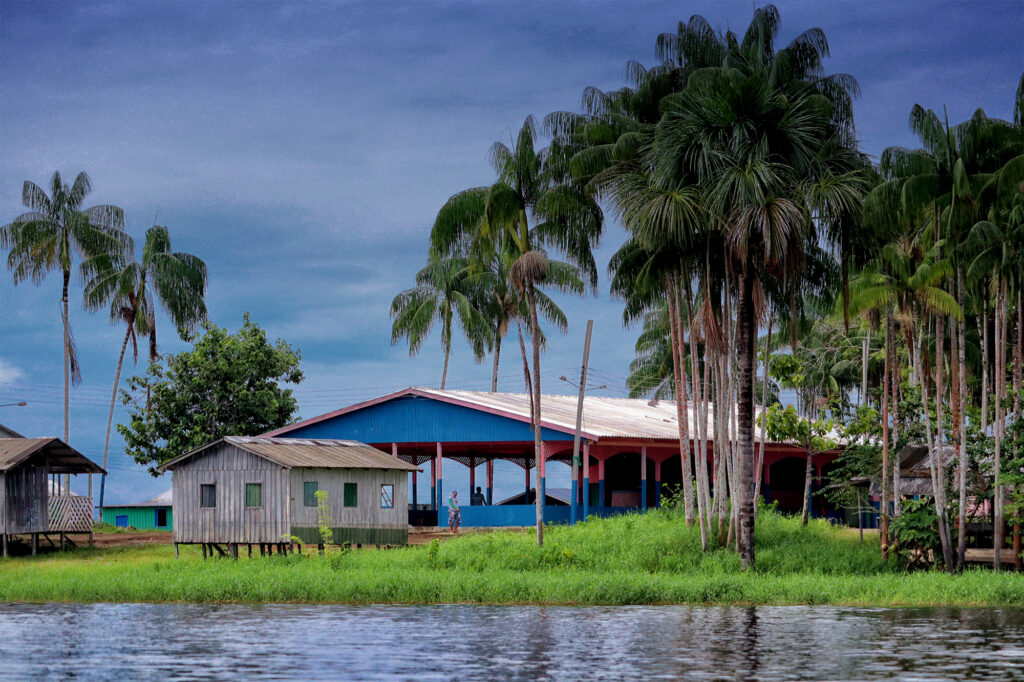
pixel 961 555
pixel 110 415
pixel 497 356
pixel 808 477
pixel 1000 383
pixel 67 368
pixel 537 448
pixel 884 505
pixel 745 415
pixel 864 366
pixel 984 361
pixel 444 372
pixel 940 469
pixel 678 370
pixel 759 474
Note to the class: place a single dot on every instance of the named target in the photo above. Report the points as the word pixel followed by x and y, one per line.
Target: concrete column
pixel 643 478
pixel 415 475
pixel 440 476
pixel 490 481
pixel 657 483
pixel 394 450
pixel 586 479
pixel 600 483
pixel 433 483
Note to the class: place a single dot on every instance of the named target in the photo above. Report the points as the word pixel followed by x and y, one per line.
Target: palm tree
pixel 444 289
pixel 533 185
pixel 132 288
pixel 48 237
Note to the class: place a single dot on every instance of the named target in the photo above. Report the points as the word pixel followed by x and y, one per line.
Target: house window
pixel 253 495
pixel 208 495
pixel 387 496
pixel 161 518
pixel 309 489
pixel 351 494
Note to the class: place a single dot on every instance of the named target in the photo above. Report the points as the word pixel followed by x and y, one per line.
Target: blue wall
pixel 415 419
pixel 521 514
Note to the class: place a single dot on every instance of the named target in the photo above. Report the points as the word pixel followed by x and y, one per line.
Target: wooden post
pixel 62 544
pixel 643 477
pixel 234 551
pixel 204 551
pixel 586 479
pixel 248 546
pixel 490 481
pixel 579 427
pixel 35 543
pixel 263 549
pixel 175 550
pixel 4 536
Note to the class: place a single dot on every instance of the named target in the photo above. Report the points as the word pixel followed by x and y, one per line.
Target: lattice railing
pixel 70 514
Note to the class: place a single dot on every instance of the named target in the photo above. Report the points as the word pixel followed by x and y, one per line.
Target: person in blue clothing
pixel 454 515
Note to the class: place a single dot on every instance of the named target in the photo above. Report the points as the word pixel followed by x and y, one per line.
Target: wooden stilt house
pixel 263 491
pixel 26 505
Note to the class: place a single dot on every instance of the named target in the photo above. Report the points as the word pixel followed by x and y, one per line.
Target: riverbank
pixel 635 559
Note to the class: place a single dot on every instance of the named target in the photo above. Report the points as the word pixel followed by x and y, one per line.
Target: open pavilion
pixel 629 448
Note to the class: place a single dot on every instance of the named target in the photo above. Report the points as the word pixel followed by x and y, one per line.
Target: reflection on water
pixel 161 641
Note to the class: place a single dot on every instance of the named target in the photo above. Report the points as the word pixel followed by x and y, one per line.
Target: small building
pixel 27 506
pixel 153 514
pixel 260 490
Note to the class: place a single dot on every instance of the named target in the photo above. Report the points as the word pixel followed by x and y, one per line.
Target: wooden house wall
pixel 230 468
pixel 365 523
pixel 24 499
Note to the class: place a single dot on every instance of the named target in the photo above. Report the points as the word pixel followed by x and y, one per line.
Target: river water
pixel 173 641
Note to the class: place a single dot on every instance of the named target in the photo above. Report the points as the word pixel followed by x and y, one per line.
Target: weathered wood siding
pixel 367 513
pixel 367 522
pixel 230 468
pixel 23 500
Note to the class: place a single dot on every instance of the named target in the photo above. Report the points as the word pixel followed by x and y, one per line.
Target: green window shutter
pixel 309 489
pixel 350 494
pixel 253 494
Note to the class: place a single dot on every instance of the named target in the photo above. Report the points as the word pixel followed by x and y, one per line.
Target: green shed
pixel 154 514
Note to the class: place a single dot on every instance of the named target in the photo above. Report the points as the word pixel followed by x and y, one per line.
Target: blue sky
pixel 303 150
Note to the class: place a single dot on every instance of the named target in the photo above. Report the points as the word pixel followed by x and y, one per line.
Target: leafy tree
pixel 227 385
pixel 813 435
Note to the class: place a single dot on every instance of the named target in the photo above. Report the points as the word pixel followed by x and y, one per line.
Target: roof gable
pixel 302 453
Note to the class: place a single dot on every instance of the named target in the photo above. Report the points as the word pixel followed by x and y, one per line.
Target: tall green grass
pixel 634 559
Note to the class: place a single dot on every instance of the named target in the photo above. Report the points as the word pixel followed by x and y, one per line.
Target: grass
pixel 633 559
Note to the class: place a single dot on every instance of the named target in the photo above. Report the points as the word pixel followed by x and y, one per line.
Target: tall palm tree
pixel 534 205
pixel 174 279
pixel 444 290
pixel 55 231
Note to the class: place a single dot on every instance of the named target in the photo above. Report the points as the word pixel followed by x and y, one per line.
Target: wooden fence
pixel 70 514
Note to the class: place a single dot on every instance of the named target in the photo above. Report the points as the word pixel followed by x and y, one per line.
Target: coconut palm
pixel 444 290
pixel 55 231
pixel 533 206
pixel 132 289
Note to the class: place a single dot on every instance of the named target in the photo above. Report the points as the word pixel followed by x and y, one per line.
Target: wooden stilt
pixel 90 538
pixel 249 545
pixel 204 551
pixel 35 543
pixel 62 542
pixel 263 549
pixel 4 535
pixel 234 551
pixel 175 550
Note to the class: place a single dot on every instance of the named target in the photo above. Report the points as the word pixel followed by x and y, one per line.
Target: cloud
pixel 9 373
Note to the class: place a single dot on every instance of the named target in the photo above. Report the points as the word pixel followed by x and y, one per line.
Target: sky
pixel 304 149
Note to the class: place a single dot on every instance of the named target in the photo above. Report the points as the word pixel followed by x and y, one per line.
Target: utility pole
pixel 579 426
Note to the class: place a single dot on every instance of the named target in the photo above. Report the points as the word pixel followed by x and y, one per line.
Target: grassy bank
pixel 649 559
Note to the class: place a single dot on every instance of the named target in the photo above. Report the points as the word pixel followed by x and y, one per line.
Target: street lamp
pixel 20 403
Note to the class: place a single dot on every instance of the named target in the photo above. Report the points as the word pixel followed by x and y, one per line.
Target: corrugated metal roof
pixel 61 457
pixel 161 500
pixel 309 452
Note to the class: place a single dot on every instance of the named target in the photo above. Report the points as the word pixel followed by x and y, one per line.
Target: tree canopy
pixel 227 385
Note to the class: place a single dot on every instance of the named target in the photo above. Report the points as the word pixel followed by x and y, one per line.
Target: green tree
pixel 813 435
pixel 50 236
pixel 176 280
pixel 227 385
pixel 444 289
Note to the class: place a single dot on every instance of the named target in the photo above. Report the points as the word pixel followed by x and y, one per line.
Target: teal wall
pixel 143 518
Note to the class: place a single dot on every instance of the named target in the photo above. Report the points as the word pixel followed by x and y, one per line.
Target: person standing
pixel 454 515
pixel 477 499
